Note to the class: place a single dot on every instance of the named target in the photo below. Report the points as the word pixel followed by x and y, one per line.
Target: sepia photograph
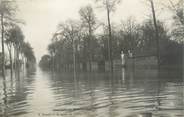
pixel 91 58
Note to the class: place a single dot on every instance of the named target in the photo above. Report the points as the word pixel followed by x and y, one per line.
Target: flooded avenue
pixel 142 93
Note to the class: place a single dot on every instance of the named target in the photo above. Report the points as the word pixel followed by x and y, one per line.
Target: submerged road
pixel 142 93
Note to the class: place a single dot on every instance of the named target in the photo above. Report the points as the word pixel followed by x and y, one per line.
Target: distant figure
pixel 130 54
pixel 122 58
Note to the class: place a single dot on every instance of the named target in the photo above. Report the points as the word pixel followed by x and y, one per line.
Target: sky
pixel 41 17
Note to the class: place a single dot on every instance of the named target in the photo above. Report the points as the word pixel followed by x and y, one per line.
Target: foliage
pixel 77 40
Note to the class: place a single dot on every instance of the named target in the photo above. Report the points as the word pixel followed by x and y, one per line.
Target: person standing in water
pixel 122 58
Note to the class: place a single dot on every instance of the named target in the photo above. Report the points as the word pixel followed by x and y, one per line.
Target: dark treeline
pixel 16 52
pixel 82 43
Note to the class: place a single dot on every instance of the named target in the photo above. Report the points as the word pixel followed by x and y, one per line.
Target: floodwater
pixel 126 93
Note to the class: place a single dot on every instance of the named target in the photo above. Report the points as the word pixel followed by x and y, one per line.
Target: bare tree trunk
pixel 74 59
pixel 10 57
pixel 11 65
pixel 18 63
pixel 15 58
pixel 156 32
pixel 90 49
pixel 110 39
pixel 23 63
pixel 2 42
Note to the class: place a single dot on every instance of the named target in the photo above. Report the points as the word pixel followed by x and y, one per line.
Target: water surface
pixel 126 93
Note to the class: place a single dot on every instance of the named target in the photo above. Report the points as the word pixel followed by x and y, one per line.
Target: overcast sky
pixel 42 16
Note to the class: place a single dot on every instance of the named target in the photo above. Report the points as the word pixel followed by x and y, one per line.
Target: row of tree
pixel 19 51
pixel 80 43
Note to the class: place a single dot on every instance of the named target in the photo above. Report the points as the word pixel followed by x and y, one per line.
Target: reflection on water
pixel 126 93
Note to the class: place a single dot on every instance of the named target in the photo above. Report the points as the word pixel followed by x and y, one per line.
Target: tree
pixel 7 11
pixel 129 36
pixel 109 6
pixel 68 38
pixel 45 62
pixel 176 7
pixel 88 22
pixel 28 53
pixel 9 36
pixel 14 39
pixel 156 30
pixel 18 38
